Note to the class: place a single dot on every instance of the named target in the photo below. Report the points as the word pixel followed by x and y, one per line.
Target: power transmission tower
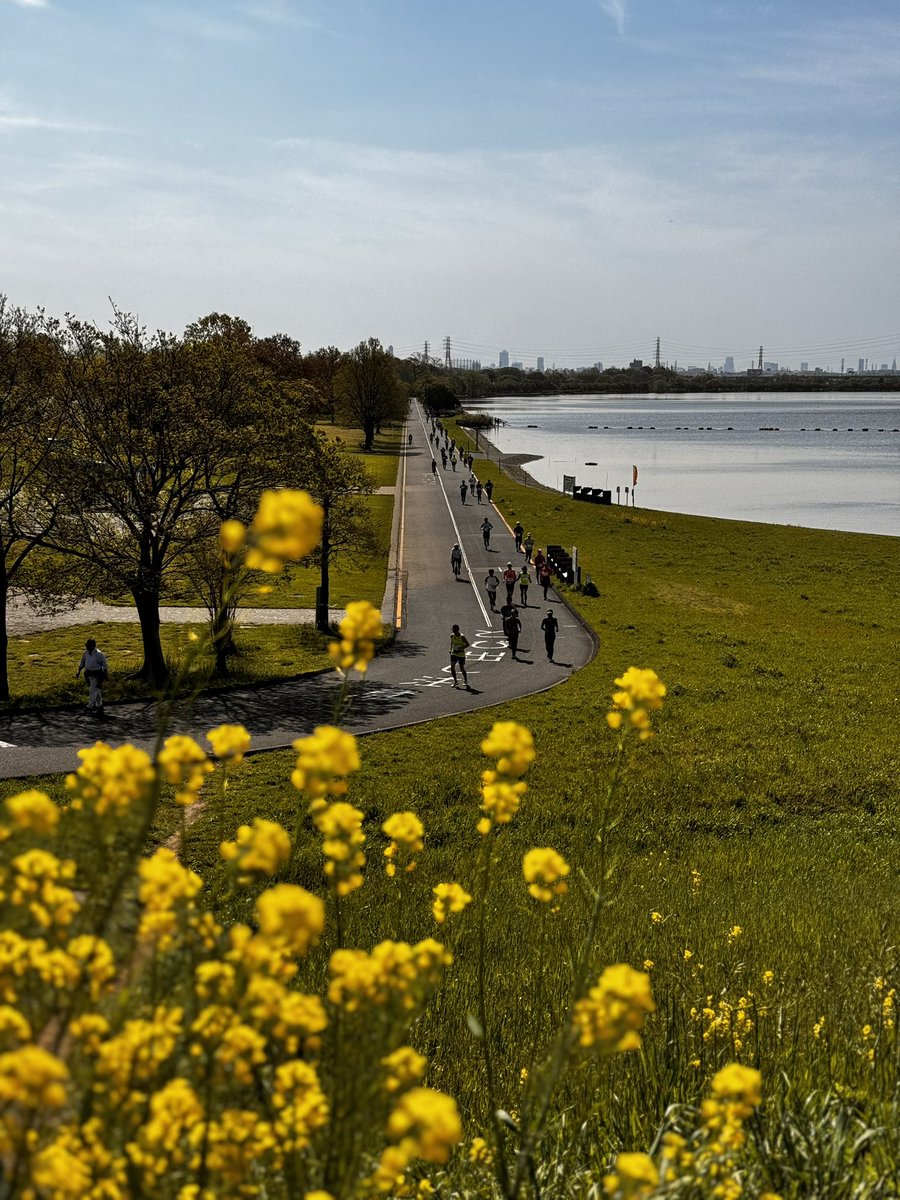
pixel 425 355
pixel 447 362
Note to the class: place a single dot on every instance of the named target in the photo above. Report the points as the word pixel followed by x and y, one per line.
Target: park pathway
pixel 408 684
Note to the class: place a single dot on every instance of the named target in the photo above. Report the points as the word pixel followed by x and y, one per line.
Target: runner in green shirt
pixel 458 644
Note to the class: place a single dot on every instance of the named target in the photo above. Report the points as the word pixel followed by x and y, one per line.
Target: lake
pixel 824 460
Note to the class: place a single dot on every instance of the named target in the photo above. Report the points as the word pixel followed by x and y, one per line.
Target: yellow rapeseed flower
pixel 291 917
pixel 33 811
pixel 425 1124
pixel 402 1068
pixel 324 760
pixel 609 1017
pixel 33 1078
pixel 737 1082
pixel 641 692
pixel 286 528
pixel 258 849
pixel 230 742
pixel 184 764
pixel 545 872
pixel 634 1176
pixel 342 840
pixel 448 898
pixel 300 1104
pixel 360 630
pixel 406 832
pixel 111 781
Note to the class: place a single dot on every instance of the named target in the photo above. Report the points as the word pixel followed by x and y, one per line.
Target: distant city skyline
pixel 567 180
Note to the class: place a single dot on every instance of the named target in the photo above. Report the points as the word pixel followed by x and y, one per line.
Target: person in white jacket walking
pixel 96 668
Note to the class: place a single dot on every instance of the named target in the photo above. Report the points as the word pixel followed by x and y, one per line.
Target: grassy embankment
pixel 42 665
pixel 773 778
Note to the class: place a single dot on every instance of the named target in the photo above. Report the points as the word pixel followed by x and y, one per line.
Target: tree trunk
pixel 4 640
pixel 325 560
pixel 222 640
pixel 154 668
pixel 368 432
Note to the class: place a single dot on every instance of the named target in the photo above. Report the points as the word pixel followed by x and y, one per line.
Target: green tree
pixel 31 421
pixel 339 482
pixel 368 389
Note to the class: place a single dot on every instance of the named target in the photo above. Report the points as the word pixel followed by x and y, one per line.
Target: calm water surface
pixel 829 461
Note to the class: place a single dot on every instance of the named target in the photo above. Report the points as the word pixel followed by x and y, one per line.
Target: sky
pixel 565 178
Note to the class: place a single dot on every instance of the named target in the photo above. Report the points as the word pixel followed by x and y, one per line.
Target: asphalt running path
pixel 408 684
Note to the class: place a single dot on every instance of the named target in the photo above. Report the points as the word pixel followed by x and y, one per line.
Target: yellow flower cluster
pixel 641 692
pixel 502 787
pixel 290 917
pixel 360 630
pixel 402 1068
pixel 324 760
pixel 424 1124
pixel 33 811
pixel 37 884
pixel 229 742
pixel 394 973
pixel 448 898
pixel 725 1023
pixel 406 832
pixel 609 1017
pixel 545 873
pixel 167 890
pixel 260 849
pixel 112 781
pixel 634 1177
pixel 342 841
pixel 286 528
pixel 184 764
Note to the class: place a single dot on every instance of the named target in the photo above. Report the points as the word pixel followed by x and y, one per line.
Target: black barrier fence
pixel 593 495
pixel 561 563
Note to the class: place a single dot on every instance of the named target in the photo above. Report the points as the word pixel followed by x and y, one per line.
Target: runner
pixel 486 528
pixel 510 575
pixel 434 466
pixel 409 440
pixel 491 583
pixel 452 460
pixel 456 559
pixel 529 546
pixel 538 561
pixel 524 582
pixel 517 534
pixel 489 488
pixel 463 488
pixel 550 626
pixel 458 644
pixel 478 490
pixel 545 577
pixel 512 626
pixel 443 458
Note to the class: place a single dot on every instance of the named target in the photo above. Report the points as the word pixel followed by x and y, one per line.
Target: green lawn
pixel 42 666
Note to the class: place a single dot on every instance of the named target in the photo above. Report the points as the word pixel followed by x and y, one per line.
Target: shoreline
pixel 509 464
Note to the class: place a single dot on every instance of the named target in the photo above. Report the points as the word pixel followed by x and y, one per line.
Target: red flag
pixel 633 475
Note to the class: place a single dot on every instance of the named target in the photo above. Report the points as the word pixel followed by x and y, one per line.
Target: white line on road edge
pixel 484 611
pixel 398 590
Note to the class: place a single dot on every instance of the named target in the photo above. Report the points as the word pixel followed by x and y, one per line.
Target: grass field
pixel 766 804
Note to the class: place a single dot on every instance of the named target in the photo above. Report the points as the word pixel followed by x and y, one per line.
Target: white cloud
pixel 31 3
pixel 616 10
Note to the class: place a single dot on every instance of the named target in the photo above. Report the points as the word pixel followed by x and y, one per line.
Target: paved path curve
pixel 410 683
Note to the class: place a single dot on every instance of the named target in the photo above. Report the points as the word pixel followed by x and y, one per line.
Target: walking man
pixel 456 559
pixel 443 458
pixel 453 460
pixel 458 644
pixel 434 466
pixel 491 583
pixel 529 546
pixel 510 575
pixel 512 626
pixel 550 626
pixel 96 669
pixel 524 581
pixel 486 528
pixel 517 534
pixel 489 488
pixel 463 488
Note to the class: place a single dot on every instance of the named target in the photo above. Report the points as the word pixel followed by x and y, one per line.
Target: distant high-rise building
pixel 804 366
pixel 540 363
pixel 519 366
pixel 598 366
pixel 391 351
pixel 729 365
pixel 770 368
pixel 504 358
pixel 861 366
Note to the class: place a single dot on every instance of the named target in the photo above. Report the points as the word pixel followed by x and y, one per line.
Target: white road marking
pixel 7 745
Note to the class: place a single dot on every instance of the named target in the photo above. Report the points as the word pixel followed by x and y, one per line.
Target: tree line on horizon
pixel 122 451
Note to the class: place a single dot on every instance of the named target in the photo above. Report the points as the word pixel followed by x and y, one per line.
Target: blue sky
pixel 569 178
